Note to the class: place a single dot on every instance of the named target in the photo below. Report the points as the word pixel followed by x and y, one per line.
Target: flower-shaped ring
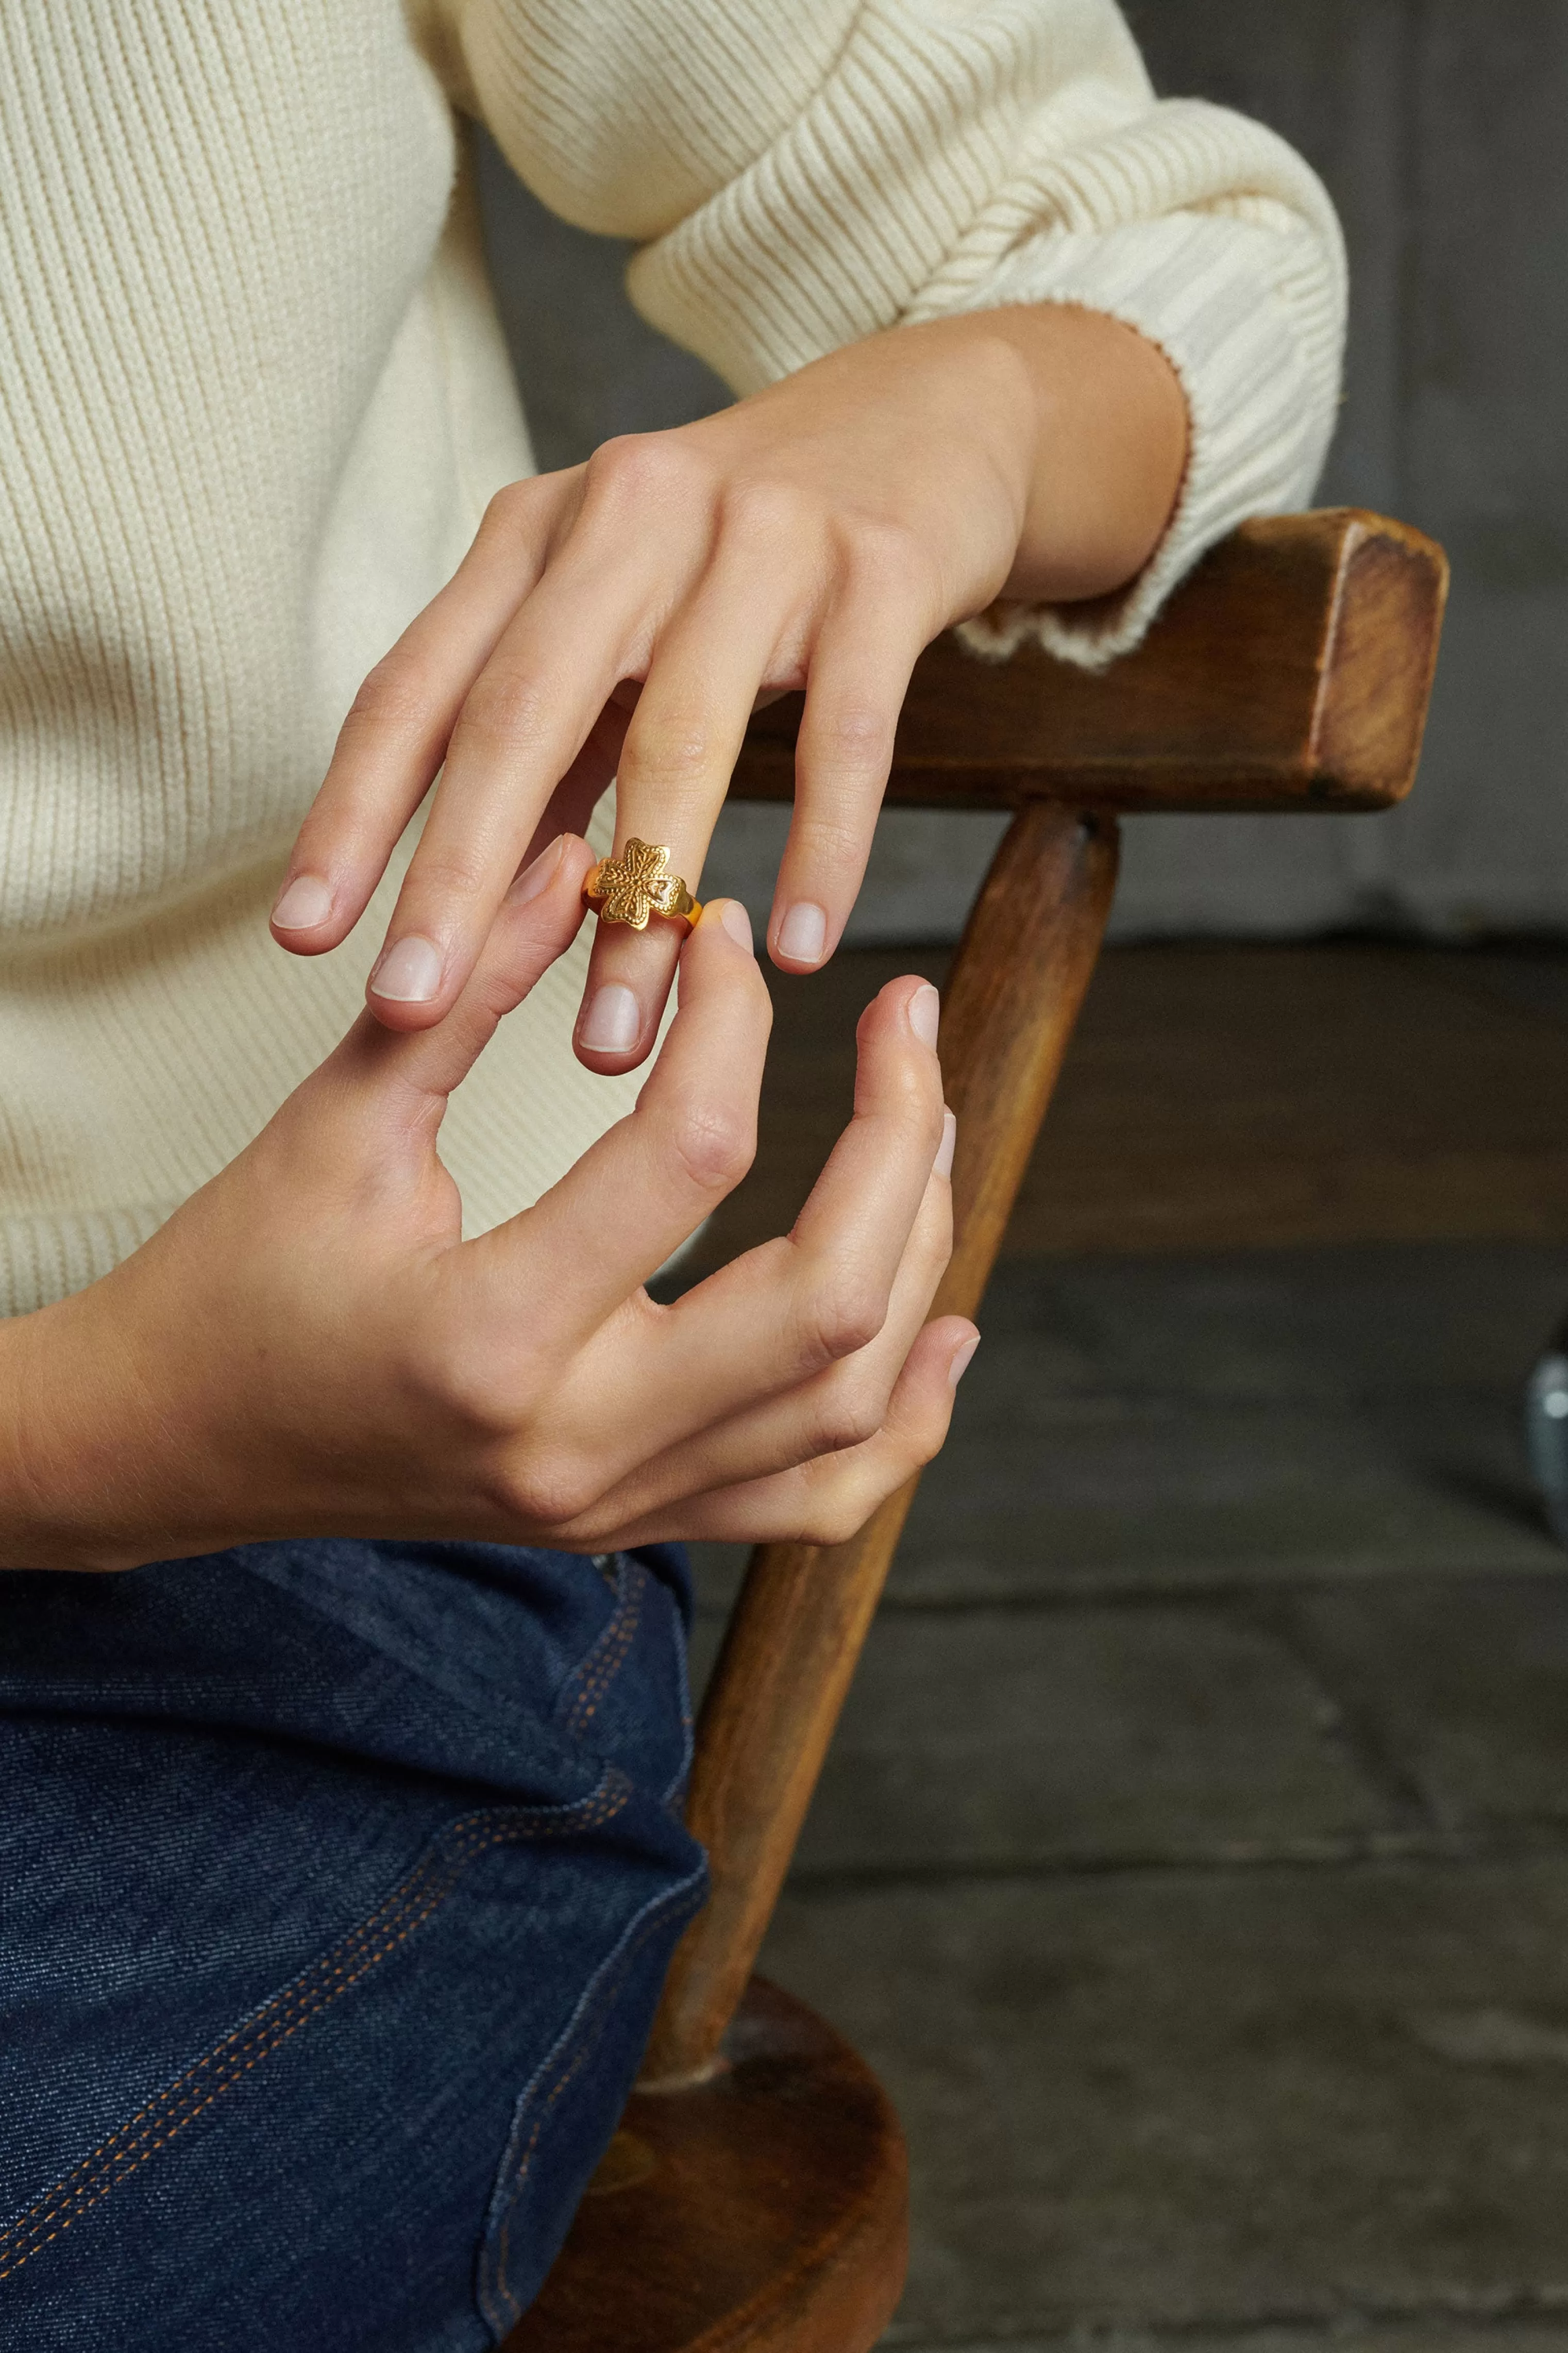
pixel 634 886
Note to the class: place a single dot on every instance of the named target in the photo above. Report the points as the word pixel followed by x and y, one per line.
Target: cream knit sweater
pixel 253 400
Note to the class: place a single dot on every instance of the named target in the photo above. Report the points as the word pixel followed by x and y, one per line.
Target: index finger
pixel 522 727
pixel 394 737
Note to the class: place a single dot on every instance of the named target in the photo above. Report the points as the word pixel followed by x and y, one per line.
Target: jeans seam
pixel 591 1680
pixel 576 2045
pixel 264 2030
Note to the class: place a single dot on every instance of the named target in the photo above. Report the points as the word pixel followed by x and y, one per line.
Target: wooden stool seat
pixel 764 2208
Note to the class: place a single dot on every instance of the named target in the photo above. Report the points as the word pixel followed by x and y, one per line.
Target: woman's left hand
pixel 623 617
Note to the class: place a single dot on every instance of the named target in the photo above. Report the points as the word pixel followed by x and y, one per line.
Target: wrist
pixel 1108 452
pixel 68 1450
pixel 26 1510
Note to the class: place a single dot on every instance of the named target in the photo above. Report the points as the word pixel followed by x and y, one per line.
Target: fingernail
pixel 943 1164
pixel 802 935
pixel 409 973
pixel 613 1023
pixel 738 923
pixel 307 902
pixel 925 1012
pixel 537 877
pixel 962 1356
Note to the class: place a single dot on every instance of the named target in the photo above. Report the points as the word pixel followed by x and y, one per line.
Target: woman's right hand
pixel 310 1348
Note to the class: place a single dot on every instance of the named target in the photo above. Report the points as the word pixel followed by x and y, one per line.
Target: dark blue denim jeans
pixel 337 1885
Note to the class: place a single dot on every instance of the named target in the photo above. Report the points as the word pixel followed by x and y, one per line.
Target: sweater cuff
pixel 1206 289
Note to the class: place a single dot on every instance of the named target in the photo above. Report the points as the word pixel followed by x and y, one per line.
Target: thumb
pixel 536 922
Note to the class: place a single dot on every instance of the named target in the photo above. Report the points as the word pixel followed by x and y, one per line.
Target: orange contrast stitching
pixel 227 2064
pixel 605 1661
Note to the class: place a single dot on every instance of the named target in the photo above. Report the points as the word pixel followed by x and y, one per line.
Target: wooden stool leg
pixel 796 1633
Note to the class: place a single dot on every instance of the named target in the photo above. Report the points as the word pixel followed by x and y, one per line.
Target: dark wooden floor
pixel 1192 1862
pixel 1228 1097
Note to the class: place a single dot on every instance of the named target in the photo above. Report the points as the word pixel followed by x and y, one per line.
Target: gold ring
pixel 634 886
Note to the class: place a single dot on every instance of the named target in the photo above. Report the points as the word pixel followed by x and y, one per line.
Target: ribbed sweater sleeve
pixel 801 177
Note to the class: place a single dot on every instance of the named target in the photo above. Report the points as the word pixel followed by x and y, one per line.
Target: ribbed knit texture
pixel 254 400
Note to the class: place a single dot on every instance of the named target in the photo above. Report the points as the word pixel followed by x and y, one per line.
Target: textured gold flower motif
pixel 635 885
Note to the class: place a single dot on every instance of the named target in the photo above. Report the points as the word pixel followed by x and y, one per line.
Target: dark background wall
pixel 1441 129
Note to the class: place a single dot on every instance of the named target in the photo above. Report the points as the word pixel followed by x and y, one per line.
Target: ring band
pixel 634 886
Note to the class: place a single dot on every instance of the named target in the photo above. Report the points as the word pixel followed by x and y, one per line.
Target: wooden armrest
pixel 1290 671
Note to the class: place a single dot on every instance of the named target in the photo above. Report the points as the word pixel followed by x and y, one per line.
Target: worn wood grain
pixel 1019 976
pixel 1290 672
pixel 766 2209
pixel 796 1631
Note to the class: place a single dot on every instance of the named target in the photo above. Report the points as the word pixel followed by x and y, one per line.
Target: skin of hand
pixel 309 1347
pixel 623 619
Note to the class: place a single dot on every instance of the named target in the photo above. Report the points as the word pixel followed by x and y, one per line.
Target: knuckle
pixel 935 1234
pixel 845 1314
pixel 509 506
pixel 912 1093
pixel 712 1143
pixel 881 554
pixel 676 744
pixel 854 735
pixel 634 467
pixel 886 566
pixel 933 1252
pixel 506 710
pixel 926 1447
pixel 830 841
pixel 837 1516
pixel 851 1416
pixel 445 871
pixel 392 698
pixel 547 1488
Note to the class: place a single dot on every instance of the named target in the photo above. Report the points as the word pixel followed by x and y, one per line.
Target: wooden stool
pixel 753 2201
